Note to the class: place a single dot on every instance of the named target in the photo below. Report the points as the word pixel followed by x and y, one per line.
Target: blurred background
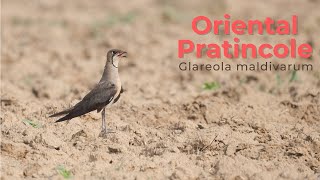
pixel 49 44
pixel 53 52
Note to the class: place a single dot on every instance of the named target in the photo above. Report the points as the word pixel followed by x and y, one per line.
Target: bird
pixel 104 94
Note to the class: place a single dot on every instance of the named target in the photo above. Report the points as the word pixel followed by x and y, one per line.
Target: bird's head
pixel 114 55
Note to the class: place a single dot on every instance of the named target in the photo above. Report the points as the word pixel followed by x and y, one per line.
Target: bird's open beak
pixel 123 54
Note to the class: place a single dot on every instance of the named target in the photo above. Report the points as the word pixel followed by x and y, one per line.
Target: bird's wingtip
pixel 61 113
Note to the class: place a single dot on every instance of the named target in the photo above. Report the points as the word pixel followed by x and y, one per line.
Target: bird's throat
pixel 113 63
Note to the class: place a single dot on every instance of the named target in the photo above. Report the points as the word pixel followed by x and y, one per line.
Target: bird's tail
pixel 62 112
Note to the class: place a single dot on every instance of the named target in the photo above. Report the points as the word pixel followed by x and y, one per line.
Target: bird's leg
pixel 104 130
pixel 103 114
pixel 103 126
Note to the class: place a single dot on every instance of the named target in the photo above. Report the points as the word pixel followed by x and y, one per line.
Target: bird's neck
pixel 110 72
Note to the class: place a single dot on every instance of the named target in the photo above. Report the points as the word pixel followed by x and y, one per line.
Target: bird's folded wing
pixel 101 95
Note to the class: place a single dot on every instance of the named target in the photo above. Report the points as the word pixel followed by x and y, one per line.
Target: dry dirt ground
pixel 257 125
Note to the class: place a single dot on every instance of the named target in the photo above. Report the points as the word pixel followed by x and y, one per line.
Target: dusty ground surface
pixel 257 125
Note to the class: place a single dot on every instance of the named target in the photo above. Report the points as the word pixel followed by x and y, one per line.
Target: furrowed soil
pixel 254 125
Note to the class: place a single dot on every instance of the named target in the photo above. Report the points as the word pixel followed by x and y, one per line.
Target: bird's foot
pixel 105 132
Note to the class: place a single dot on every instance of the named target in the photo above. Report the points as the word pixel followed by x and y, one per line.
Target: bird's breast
pixel 118 86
